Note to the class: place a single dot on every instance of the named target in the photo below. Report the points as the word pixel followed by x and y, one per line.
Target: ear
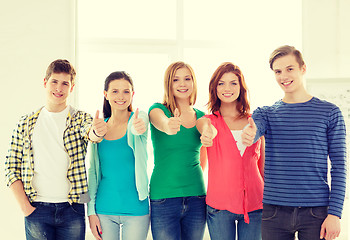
pixel 71 88
pixel 133 93
pixel 105 94
pixel 303 69
pixel 45 82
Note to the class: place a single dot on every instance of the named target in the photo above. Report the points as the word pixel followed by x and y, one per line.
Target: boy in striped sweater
pixel 301 133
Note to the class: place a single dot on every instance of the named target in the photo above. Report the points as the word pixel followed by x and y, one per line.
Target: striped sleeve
pixel 337 156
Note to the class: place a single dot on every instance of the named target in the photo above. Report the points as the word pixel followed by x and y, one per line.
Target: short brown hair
pixel 61 66
pixel 286 50
pixel 214 102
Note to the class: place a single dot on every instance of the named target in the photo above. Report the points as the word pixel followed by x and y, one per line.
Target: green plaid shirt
pixel 19 163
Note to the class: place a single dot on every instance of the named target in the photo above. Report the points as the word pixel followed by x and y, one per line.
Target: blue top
pixel 138 145
pixel 118 166
pixel 299 138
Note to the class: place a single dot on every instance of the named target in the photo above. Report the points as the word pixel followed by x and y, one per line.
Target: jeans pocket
pixel 157 201
pixel 319 212
pixel 269 211
pixel 212 210
pixel 78 208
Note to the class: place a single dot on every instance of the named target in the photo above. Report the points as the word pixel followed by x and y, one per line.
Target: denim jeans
pixel 56 221
pixel 133 227
pixel 222 225
pixel 178 218
pixel 280 222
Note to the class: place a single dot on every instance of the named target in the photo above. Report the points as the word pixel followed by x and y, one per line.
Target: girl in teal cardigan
pixel 118 182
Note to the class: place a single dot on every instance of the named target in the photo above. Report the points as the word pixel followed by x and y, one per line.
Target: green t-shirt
pixel 177 171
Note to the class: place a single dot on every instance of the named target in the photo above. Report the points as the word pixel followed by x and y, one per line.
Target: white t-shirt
pixel 51 161
pixel 237 135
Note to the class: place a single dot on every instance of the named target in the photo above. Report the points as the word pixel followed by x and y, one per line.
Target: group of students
pixel 247 195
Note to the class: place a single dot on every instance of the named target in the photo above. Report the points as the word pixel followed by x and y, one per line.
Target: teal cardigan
pixel 138 143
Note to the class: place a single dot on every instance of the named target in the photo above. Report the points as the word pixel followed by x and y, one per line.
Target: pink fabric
pixel 234 181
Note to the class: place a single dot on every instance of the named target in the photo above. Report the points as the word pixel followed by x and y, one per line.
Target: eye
pixel 126 91
pixel 175 80
pixel 277 72
pixel 188 79
pixel 114 91
pixel 290 69
pixel 66 83
pixel 233 83
pixel 220 83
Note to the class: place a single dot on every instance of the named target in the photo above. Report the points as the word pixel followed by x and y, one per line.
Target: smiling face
pixel 182 85
pixel 119 94
pixel 288 74
pixel 228 88
pixel 58 87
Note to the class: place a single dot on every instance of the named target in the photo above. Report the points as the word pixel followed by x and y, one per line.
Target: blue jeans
pixel 133 227
pixel 222 225
pixel 280 222
pixel 178 218
pixel 56 221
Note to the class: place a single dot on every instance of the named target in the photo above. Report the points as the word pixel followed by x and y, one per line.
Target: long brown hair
pixel 107 111
pixel 169 99
pixel 214 102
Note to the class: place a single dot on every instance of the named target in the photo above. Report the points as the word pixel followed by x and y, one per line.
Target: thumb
pixel 97 115
pixel 208 125
pixel 251 122
pixel 176 112
pixel 323 231
pixel 136 114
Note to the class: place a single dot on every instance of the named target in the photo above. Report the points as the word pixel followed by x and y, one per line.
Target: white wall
pixel 32 34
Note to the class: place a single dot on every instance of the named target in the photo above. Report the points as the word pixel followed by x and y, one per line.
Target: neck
pixel 229 109
pixel 120 116
pixel 183 105
pixel 297 97
pixel 55 107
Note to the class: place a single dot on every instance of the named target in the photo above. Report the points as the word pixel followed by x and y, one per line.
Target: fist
pixel 174 123
pixel 138 123
pixel 249 132
pixel 208 134
pixel 99 126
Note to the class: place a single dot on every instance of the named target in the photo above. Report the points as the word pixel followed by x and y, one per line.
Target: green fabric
pixel 177 171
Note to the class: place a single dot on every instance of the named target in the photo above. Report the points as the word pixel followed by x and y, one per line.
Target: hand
pixel 99 126
pixel 249 132
pixel 174 123
pixel 330 228
pixel 28 210
pixel 138 123
pixel 208 134
pixel 95 226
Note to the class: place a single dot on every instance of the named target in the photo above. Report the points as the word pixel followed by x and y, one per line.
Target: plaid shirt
pixel 19 163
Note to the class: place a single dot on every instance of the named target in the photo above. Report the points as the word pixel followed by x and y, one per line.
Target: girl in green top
pixel 177 190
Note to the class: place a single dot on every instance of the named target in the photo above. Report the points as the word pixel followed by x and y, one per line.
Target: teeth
pixel 227 94
pixel 286 83
pixel 182 91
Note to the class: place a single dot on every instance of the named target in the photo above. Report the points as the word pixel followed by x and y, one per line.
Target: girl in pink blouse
pixel 235 174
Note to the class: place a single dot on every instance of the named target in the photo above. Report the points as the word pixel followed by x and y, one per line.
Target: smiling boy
pixel 45 166
pixel 301 133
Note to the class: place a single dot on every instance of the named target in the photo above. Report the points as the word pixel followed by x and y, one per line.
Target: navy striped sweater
pixel 299 139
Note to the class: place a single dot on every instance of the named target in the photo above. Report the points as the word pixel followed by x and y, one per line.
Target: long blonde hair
pixel 169 99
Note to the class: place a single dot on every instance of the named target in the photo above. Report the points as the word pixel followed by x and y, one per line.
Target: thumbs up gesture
pixel 99 126
pixel 138 123
pixel 249 132
pixel 174 123
pixel 209 132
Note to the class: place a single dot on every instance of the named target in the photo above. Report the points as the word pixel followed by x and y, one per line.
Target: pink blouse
pixel 234 181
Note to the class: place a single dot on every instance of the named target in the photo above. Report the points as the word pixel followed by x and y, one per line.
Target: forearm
pixel 21 197
pixel 159 120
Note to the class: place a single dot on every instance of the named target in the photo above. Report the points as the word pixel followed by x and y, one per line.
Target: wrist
pixel 93 131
